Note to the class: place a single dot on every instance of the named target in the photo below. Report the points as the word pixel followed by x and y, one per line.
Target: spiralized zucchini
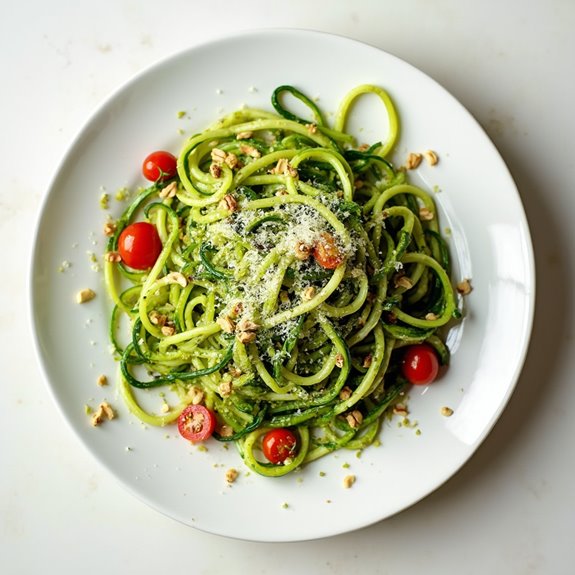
pixel 294 265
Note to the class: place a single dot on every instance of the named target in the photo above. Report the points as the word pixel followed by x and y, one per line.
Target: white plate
pixel 489 239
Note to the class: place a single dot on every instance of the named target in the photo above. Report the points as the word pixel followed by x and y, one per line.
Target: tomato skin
pixel 139 245
pixel 196 423
pixel 159 166
pixel 326 252
pixel 420 364
pixel 279 444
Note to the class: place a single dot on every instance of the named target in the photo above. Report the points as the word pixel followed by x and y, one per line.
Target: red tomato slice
pixel 326 252
pixel 279 444
pixel 139 245
pixel 196 423
pixel 420 364
pixel 159 166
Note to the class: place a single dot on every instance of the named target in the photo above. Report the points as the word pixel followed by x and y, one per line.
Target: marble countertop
pixel 511 508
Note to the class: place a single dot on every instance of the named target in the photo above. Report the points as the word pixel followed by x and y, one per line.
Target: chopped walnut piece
pixel 225 388
pixel 85 295
pixel 229 203
pixel 232 161
pixel 413 160
pixel 367 360
pixel 102 380
pixel 196 395
pixel 218 156
pixel 246 336
pixel 104 411
pixel 358 184
pixel 231 475
pixel 244 135
pixel 354 418
pixel 308 293
pixel 110 228
pixel 303 251
pixel 248 325
pixel 464 287
pixel 246 331
pixel 284 168
pixel 226 323
pixel 426 214
pixel 311 128
pixel 226 431
pixel 113 257
pixel 250 151
pixel 169 191
pixel 446 411
pixel 215 170
pixel 403 281
pixel 431 316
pixel 345 393
pixel 235 371
pixel 348 481
pixel 339 360
pixel 431 157
pixel 168 330
pixel 156 318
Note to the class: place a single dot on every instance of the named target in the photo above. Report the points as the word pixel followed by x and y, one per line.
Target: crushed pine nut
pixel 168 330
pixel 446 411
pixel 308 293
pixel 113 257
pixel 110 228
pixel 225 388
pixel 345 393
pixel 251 151
pixel 348 481
pixel 244 135
pixel 413 160
pixel 464 287
pixel 231 475
pixel 354 418
pixel 431 157
pixel 85 295
pixel 169 191
pixel 102 380
pixel 229 203
pixel 156 318
pixel 215 170
pixel 426 214
pixel 339 360
pixel 226 323
pixel 302 251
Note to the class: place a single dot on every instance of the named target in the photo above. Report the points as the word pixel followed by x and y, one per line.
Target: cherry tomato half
pixel 159 166
pixel 279 444
pixel 420 364
pixel 196 423
pixel 326 252
pixel 139 245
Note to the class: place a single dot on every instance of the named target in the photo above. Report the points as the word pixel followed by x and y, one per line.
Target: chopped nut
pixel 401 410
pixel 231 475
pixel 425 214
pixel 311 128
pixel 464 287
pixel 168 330
pixel 232 161
pixel 225 388
pixel 85 295
pixel 363 148
pixel 446 411
pixel 102 380
pixel 345 393
pixel 169 191
pixel 156 318
pixel 178 278
pixel 354 418
pixel 226 431
pixel 403 281
pixel 246 331
pixel 413 160
pixel 247 325
pixel 196 395
pixel 250 150
pixel 110 228
pixel 235 371
pixel 246 336
pixel 215 170
pixel 308 293
pixel 284 168
pixel 104 410
pixel 358 184
pixel 244 135
pixel 431 316
pixel 226 323
pixel 303 251
pixel 367 360
pixel 237 308
pixel 431 157
pixel 229 203
pixel 218 156
pixel 348 481
pixel 113 257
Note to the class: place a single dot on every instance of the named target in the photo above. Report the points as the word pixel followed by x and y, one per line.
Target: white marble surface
pixel 511 509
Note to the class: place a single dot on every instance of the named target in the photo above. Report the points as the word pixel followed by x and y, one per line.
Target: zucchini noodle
pixel 295 264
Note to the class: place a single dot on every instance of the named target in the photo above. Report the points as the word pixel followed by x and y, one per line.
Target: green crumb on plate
pixel 122 194
pixel 345 465
pixel 284 505
pixel 105 201
pixel 202 448
pixel 181 114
